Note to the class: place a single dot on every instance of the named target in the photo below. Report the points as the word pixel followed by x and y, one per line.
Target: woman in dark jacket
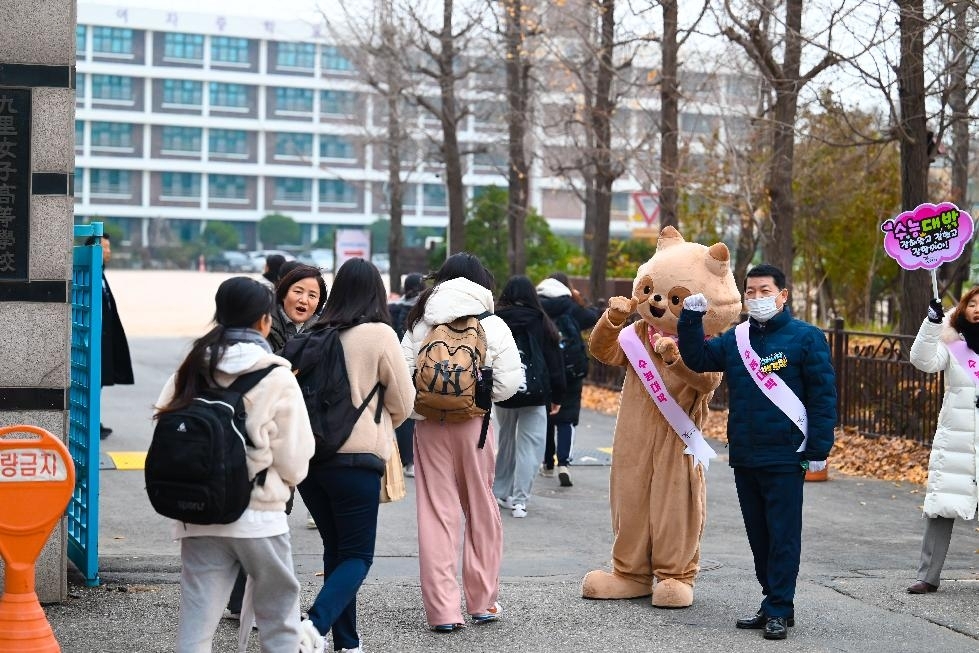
pixel 523 417
pixel 565 306
pixel 299 297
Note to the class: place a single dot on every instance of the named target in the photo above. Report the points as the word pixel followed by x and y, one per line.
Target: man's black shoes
pixel 776 628
pixel 104 432
pixel 760 620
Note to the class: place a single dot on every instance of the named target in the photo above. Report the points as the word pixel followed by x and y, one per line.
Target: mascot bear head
pixel 679 269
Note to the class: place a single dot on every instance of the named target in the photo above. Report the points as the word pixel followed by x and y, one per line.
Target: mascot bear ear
pixel 718 259
pixel 668 237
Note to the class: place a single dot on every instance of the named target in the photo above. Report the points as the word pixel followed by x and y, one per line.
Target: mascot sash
pixel 678 419
pixel 771 386
pixel 967 359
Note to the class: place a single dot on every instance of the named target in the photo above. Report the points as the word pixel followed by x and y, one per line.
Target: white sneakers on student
pixel 505 503
pixel 310 640
pixel 519 510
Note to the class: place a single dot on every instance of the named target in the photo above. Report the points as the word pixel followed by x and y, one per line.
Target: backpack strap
pixel 379 390
pixel 484 428
pixel 241 385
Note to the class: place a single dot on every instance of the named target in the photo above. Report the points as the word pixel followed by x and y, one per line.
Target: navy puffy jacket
pixel 759 434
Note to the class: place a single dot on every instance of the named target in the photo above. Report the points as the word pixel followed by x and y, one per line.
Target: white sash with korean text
pixel 776 390
pixel 966 358
pixel 677 418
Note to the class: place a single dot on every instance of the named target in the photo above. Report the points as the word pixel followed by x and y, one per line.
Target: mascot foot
pixel 600 584
pixel 670 593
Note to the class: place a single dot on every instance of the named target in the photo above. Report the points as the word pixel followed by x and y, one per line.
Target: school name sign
pixel 928 236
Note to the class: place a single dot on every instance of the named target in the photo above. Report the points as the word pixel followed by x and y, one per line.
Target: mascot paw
pixel 670 593
pixel 667 349
pixel 600 584
pixel 620 308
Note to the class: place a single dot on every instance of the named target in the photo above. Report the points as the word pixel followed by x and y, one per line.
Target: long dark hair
pixel 239 303
pixel 273 262
pixel 298 273
pixel 520 291
pixel 357 296
pixel 463 264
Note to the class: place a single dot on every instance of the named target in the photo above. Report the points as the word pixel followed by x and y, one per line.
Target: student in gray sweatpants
pixel 282 443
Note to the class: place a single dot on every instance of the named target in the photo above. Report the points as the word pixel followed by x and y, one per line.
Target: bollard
pixel 37 478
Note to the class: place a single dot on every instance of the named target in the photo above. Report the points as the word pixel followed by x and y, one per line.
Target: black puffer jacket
pixel 525 318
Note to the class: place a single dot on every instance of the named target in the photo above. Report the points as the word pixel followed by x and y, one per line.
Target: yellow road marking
pixel 128 460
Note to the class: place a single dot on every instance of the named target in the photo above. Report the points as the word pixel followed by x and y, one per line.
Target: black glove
pixel 935 312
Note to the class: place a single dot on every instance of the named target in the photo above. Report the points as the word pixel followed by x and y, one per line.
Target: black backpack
pixel 536 388
pixel 196 469
pixel 317 359
pixel 572 347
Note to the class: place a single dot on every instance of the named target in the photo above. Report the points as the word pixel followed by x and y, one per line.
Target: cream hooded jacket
pixel 278 427
pixel 952 490
pixel 457 298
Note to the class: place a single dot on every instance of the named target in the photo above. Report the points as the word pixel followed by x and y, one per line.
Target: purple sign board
pixel 15 182
pixel 928 236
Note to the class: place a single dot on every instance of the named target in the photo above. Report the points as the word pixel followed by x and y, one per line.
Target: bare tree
pixel 786 79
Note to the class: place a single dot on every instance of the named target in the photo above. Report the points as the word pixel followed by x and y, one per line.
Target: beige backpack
pixel 448 371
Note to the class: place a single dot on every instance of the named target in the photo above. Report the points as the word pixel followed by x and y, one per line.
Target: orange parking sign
pixel 37 478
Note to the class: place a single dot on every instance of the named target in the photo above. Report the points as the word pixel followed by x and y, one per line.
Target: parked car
pixel 318 258
pixel 230 261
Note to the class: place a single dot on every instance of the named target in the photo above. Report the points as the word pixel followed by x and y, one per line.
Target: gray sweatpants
pixel 209 566
pixel 934 548
pixel 521 447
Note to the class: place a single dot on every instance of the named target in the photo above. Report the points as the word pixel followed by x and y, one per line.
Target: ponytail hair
pixel 239 302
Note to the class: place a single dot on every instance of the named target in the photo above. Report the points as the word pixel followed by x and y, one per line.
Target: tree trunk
pixel 958 103
pixel 450 136
pixel 517 71
pixel 395 189
pixel 605 173
pixel 669 129
pixel 915 284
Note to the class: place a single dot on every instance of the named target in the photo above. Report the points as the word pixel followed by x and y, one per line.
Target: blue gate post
pixel 84 399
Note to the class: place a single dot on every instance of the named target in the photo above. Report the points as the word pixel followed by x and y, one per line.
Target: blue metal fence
pixel 84 402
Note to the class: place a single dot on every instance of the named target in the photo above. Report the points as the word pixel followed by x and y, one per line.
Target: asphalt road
pixel 860 550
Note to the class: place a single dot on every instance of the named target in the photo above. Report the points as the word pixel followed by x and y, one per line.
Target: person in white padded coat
pixel 453 477
pixel 948 345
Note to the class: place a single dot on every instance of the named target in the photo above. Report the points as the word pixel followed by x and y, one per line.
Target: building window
pixel 114 41
pixel 337 103
pixel 295 56
pixel 113 88
pixel 336 147
pixel 290 145
pixel 334 61
pixel 292 190
pixel 182 93
pixel 229 50
pixel 79 134
pixel 112 136
pixel 229 143
pixel 227 187
pixel 183 47
pixel 80 89
pixel 621 202
pixel 182 141
pixel 409 197
pixel 490 162
pixel 80 40
pixel 695 123
pixel 180 186
pixel 114 184
pixel 337 192
pixel 435 196
pixel 293 101
pixel 229 97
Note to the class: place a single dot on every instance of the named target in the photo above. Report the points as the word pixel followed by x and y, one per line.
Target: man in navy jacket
pixel 764 443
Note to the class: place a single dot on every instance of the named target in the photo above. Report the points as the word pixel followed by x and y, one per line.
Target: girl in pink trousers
pixel 453 477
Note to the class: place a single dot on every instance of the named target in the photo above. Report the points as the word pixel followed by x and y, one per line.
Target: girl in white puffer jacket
pixel 948 346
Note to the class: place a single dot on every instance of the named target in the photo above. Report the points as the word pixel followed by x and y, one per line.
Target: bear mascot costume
pixel 657 490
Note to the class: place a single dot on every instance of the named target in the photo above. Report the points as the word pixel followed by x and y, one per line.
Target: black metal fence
pixel 879 393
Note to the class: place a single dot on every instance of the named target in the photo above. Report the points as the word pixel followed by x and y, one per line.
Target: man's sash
pixel 967 358
pixel 778 392
pixel 678 419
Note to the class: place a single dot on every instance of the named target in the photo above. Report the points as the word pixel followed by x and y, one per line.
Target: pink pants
pixel 454 480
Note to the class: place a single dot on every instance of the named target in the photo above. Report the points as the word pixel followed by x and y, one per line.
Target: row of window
pixel 235 142
pixel 188 93
pixel 189 48
pixel 181 186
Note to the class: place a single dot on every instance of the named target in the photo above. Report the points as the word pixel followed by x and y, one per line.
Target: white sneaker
pixel 310 522
pixel 351 650
pixel 310 640
pixel 546 471
pixel 564 476
pixel 519 510
pixel 410 473
pixel 505 503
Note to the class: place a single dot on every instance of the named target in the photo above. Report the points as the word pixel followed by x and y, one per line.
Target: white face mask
pixel 763 309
